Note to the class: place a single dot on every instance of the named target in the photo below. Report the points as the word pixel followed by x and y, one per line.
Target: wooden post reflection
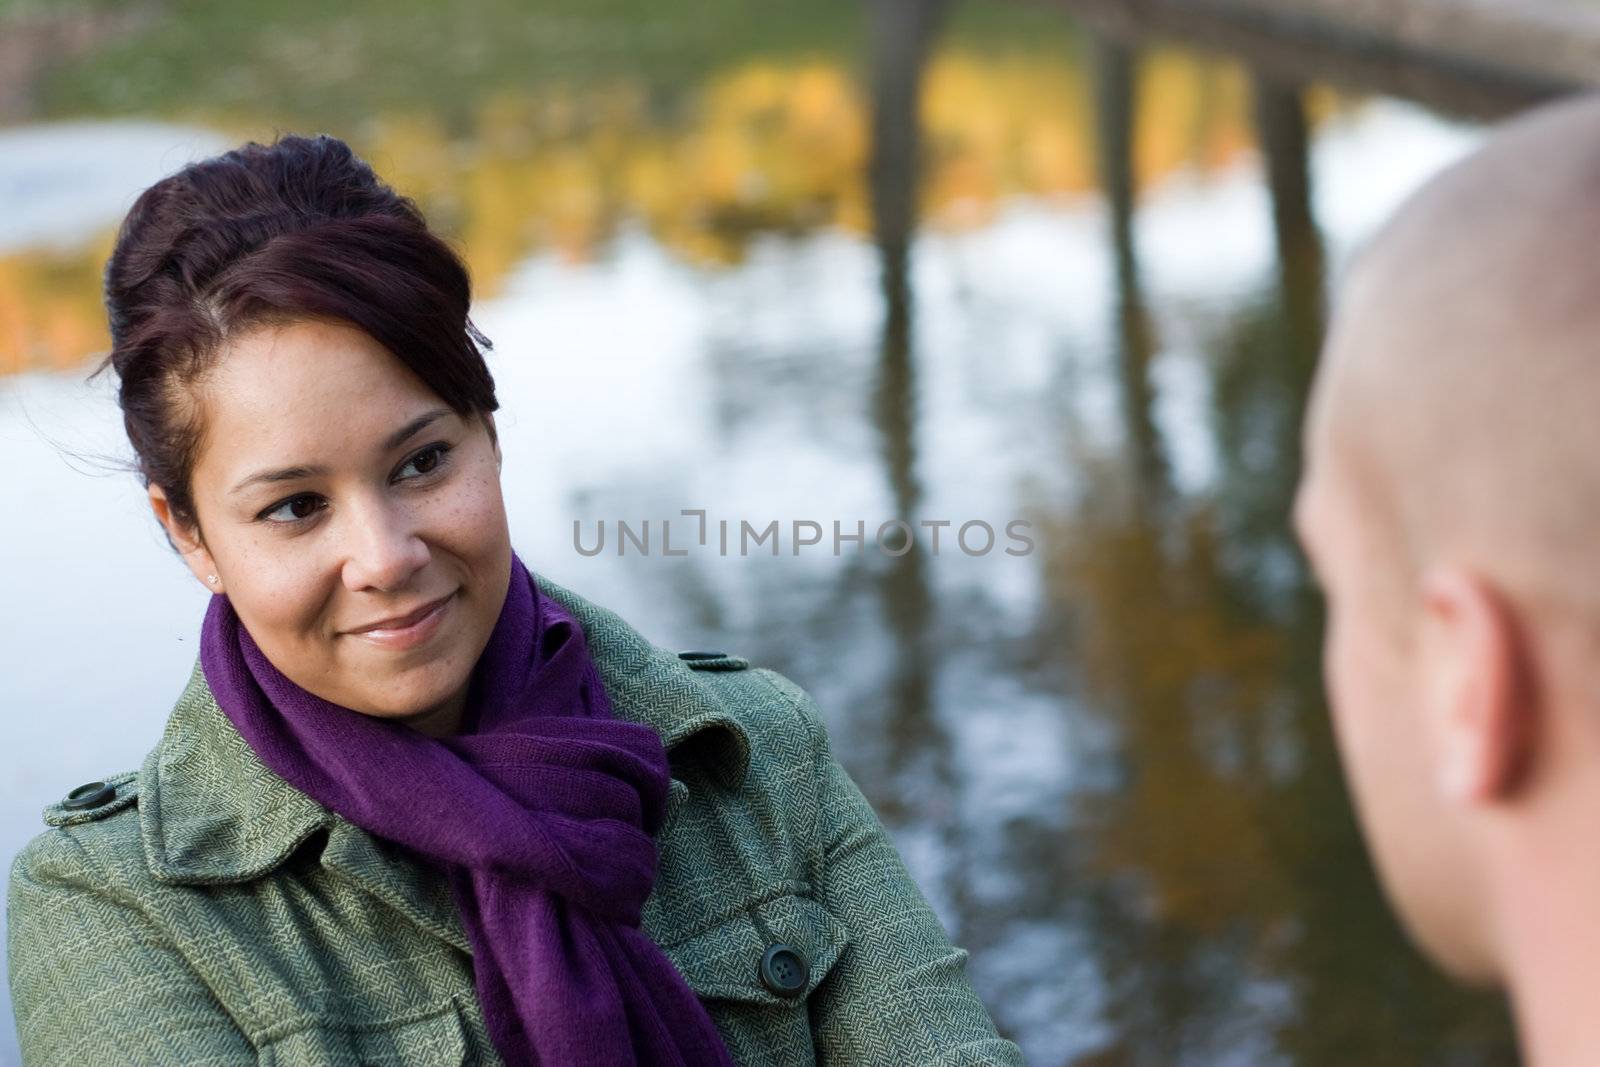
pixel 901 35
pixel 1114 103
pixel 1282 131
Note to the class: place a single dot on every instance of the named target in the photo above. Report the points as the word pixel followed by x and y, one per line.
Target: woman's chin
pixel 395 687
pixel 412 696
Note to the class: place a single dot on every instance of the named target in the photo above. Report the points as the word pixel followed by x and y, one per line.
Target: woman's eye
pixel 429 459
pixel 297 508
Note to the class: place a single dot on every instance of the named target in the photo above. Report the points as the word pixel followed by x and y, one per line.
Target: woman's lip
pixel 412 635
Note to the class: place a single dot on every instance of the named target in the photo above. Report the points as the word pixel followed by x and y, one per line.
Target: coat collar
pixel 211 812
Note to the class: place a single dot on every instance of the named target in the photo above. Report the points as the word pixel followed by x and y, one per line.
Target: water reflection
pixel 900 34
pixel 936 263
pixel 1236 878
pixel 769 146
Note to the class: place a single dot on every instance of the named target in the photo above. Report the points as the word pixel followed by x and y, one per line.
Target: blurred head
pixel 1449 504
pixel 312 418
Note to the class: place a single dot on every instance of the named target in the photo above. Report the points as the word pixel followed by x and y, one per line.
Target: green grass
pixel 300 59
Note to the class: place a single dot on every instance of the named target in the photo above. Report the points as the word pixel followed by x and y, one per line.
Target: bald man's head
pixel 1461 378
pixel 1450 505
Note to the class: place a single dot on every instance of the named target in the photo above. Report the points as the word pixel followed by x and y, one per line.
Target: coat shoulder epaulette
pixel 708 660
pixel 94 800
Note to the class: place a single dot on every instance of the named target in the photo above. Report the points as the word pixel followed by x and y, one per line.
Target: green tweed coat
pixel 207 912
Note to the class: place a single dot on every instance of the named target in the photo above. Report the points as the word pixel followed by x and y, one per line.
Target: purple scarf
pixel 542 815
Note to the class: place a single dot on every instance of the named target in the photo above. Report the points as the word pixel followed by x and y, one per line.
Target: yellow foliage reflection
pixel 766 147
pixel 1188 685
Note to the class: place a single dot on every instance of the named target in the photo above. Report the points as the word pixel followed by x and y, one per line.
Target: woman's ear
pixel 186 540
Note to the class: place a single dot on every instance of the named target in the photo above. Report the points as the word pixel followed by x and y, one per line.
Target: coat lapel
pixel 209 810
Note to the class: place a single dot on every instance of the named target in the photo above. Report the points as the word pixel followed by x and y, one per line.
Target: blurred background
pixel 1066 262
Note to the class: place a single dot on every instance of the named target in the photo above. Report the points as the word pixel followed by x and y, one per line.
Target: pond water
pixel 986 270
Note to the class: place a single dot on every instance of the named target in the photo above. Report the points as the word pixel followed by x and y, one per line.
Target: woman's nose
pixel 384 549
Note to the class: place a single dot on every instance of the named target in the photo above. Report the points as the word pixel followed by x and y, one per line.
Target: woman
pixel 416 805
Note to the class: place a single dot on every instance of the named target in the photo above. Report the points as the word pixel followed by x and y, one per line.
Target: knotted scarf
pixel 541 810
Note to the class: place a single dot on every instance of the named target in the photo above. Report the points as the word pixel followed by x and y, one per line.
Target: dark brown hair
pixel 271 234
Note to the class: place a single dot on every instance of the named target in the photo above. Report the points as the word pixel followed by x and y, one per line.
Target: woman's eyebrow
pixel 415 426
pixel 394 440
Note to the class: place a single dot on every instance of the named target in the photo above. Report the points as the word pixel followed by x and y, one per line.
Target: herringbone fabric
pixel 212 914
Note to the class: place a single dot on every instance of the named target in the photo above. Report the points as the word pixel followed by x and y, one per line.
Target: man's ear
pixel 186 540
pixel 1479 697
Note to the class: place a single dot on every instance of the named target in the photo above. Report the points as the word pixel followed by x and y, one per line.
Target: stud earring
pixel 212 578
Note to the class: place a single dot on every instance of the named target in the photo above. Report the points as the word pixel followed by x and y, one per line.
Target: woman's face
pixel 336 492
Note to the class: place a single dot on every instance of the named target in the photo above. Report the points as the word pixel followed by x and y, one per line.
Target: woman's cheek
pixel 476 514
pixel 279 587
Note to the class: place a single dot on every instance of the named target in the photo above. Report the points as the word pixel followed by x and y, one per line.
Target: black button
pixel 784 970
pixel 89 795
pixel 696 654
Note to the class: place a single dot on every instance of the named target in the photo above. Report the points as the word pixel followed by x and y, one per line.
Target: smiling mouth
pixel 409 630
pixel 400 622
